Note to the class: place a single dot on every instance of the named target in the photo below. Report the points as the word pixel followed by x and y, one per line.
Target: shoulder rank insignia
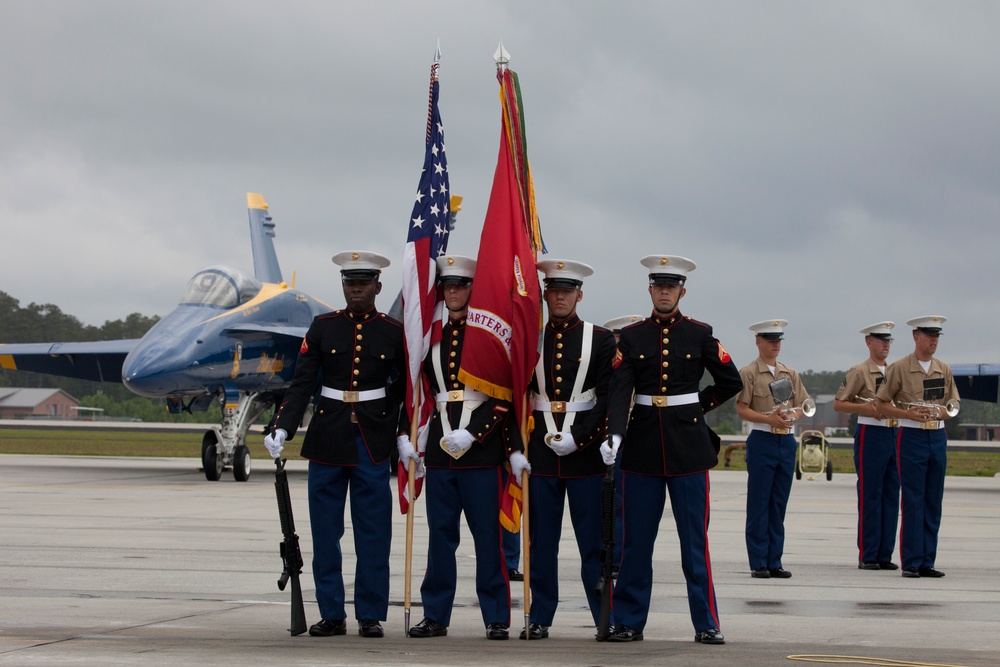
pixel 617 359
pixel 723 355
pixel 304 347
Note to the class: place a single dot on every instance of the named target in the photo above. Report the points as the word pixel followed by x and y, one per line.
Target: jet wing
pixel 100 361
pixel 255 330
pixel 977 382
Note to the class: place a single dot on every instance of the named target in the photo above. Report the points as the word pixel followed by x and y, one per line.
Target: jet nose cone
pixel 153 369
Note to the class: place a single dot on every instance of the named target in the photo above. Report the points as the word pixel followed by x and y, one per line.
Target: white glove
pixel 519 464
pixel 275 442
pixel 407 452
pixel 609 449
pixel 562 443
pixel 458 440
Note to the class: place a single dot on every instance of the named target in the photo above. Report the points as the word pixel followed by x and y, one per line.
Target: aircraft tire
pixel 211 462
pixel 241 463
pixel 829 470
pixel 798 469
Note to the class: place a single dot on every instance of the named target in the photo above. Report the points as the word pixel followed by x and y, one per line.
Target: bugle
pixel 934 410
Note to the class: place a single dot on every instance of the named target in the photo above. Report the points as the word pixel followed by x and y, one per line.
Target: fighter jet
pixel 233 338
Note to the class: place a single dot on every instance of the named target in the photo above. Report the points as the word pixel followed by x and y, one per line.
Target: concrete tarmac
pixel 141 561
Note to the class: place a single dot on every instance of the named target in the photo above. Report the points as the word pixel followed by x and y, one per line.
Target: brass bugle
pixel 950 408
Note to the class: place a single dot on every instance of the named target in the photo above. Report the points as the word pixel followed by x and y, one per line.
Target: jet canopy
pixel 221 287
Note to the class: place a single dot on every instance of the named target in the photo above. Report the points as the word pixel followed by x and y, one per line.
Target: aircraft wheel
pixel 829 470
pixel 211 462
pixel 241 463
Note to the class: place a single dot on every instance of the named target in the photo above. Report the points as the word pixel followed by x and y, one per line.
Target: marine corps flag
pixel 504 318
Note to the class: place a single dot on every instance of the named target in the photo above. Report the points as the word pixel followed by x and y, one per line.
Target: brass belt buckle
pixel 456 395
pixel 659 401
pixel 781 431
pixel 928 426
pixel 350 397
pixel 558 406
pixel 892 423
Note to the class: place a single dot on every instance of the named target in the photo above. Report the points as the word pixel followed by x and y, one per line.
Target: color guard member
pixel 771 448
pixel 469 441
pixel 570 394
pixel 352 352
pixel 874 452
pixel 920 391
pixel 666 447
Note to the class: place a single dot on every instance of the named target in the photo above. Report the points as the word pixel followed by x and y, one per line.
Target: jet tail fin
pixel 265 259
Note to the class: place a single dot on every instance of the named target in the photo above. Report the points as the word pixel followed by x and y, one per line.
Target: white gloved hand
pixel 458 440
pixel 609 449
pixel 407 452
pixel 519 464
pixel 275 442
pixel 562 443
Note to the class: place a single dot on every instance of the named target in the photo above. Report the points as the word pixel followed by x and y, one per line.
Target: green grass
pixel 963 464
pixel 112 442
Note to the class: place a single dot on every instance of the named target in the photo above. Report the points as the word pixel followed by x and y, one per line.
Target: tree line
pixel 42 323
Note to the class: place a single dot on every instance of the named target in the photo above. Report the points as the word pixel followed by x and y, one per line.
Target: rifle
pixel 291 555
pixel 607 553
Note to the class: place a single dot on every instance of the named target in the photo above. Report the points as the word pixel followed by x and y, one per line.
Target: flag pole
pixel 502 59
pixel 411 489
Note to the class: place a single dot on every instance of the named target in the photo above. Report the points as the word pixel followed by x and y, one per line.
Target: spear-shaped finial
pixel 437 53
pixel 501 57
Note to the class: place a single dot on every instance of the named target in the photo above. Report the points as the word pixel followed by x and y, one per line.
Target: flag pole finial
pixel 501 57
pixel 437 53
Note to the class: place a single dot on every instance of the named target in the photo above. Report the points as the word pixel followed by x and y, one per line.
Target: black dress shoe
pixel 535 631
pixel 369 627
pixel 514 575
pixel 760 573
pixel 497 631
pixel 911 573
pixel 623 633
pixel 328 628
pixel 780 573
pixel 428 628
pixel 930 572
pixel 868 566
pixel 710 636
pixel 887 565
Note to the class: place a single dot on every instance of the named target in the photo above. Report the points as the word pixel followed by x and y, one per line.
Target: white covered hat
pixel 619 323
pixel 360 264
pixel 564 273
pixel 668 269
pixel 928 324
pixel 770 329
pixel 455 270
pixel 879 329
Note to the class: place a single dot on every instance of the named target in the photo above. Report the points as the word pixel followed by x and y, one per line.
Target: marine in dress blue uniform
pixel 347 357
pixel 667 448
pixel 771 448
pixel 470 438
pixel 874 452
pixel 920 391
pixel 570 394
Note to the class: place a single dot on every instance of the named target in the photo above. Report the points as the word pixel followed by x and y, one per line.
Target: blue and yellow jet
pixel 232 338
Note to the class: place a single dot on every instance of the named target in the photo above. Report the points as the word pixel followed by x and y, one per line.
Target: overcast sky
pixel 830 163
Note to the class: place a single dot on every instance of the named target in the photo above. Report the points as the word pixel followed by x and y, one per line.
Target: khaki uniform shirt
pixel 860 382
pixel 904 382
pixel 756 393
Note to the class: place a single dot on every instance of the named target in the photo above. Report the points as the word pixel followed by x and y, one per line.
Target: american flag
pixel 426 239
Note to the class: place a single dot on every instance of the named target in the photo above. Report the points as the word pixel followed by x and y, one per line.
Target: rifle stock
pixel 607 553
pixel 291 555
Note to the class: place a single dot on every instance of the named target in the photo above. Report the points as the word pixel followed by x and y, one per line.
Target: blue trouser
pixel 922 462
pixel 476 491
pixel 878 492
pixel 371 523
pixel 770 465
pixel 643 499
pixel 511 541
pixel 547 500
